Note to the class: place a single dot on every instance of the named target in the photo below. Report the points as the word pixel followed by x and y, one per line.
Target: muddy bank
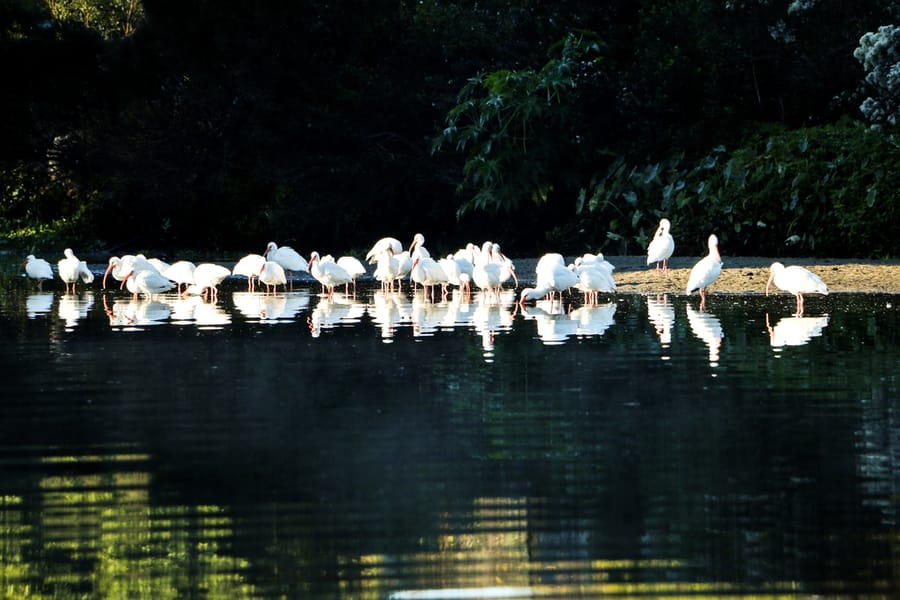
pixel 743 274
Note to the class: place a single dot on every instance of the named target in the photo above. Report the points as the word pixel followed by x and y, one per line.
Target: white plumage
pixel 271 274
pixel 287 257
pixel 661 246
pixel 328 273
pixel 796 280
pixel 38 269
pixel 249 266
pixel 706 271
pixel 71 270
pixel 147 282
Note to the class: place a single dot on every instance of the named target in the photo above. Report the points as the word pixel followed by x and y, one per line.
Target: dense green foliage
pixel 542 125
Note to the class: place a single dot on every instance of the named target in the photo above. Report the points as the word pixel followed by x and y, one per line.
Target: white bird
pixel 71 270
pixel 387 270
pixel 796 280
pixel 121 267
pixel 147 282
pixel 428 273
pixel 706 271
pixel 487 274
pixel 551 272
pixel 528 294
pixel 249 266
pixel 417 247
pixel 208 276
pixel 661 246
pixel 353 267
pixel 287 257
pixel 386 244
pixel 329 274
pixel 595 260
pixel 593 279
pixel 271 274
pixel 38 269
pixel 181 272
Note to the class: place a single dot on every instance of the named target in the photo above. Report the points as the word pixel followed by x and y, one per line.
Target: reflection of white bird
pixel 271 274
pixel 388 244
pixel 388 310
pixel 73 308
pixel 661 314
pixel 795 280
pixel 38 269
pixel 661 246
pixel 289 259
pixel 328 273
pixel 553 325
pixel 249 266
pixel 71 270
pixel 706 271
pixel 708 328
pixel 593 320
pixel 207 277
pixel 795 331
pixel 38 304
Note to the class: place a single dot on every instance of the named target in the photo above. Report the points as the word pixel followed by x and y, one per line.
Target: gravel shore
pixel 741 274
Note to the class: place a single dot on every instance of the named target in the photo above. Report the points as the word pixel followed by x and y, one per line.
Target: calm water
pixel 393 448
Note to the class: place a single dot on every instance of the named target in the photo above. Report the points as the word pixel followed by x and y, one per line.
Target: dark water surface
pixel 393 448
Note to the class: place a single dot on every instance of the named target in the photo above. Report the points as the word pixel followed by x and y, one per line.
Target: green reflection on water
pixel 99 535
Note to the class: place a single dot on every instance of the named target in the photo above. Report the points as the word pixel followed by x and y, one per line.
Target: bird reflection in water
pixel 794 330
pixel 707 327
pixel 39 303
pixel 271 308
pixel 388 311
pixel 333 311
pixel 74 307
pixel 661 314
pixel 133 312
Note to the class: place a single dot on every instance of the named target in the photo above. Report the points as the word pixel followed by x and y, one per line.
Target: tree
pixel 519 128
pixel 879 53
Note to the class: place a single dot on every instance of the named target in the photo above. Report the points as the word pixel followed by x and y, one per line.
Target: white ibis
pixel 354 268
pixel 287 257
pixel 38 269
pixel 181 272
pixel 329 274
pixel 249 266
pixel 71 270
pixel 661 246
pixel 796 280
pixel 271 274
pixel 706 271
pixel 385 244
pixel 207 277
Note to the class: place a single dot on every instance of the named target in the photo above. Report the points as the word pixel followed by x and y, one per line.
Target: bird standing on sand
pixel 706 271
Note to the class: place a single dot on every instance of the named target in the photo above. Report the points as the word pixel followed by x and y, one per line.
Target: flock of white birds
pixel 484 266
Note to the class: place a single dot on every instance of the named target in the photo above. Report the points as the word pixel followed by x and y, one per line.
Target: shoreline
pixel 742 274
